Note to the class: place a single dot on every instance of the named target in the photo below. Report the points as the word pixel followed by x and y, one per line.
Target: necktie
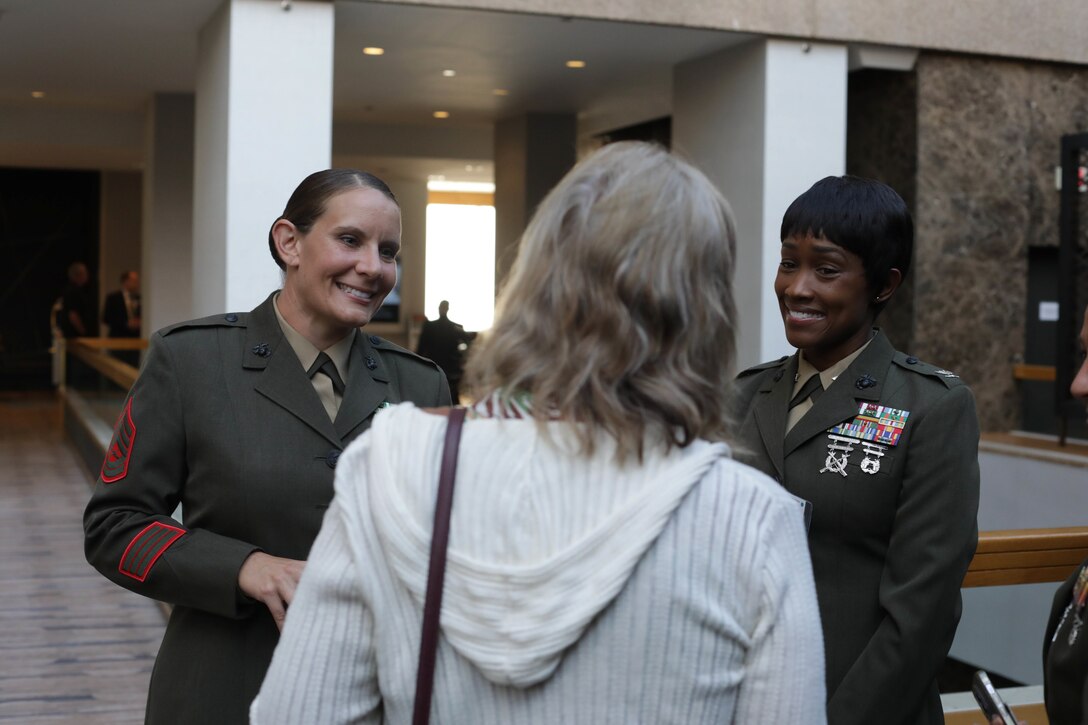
pixel 324 364
pixel 812 388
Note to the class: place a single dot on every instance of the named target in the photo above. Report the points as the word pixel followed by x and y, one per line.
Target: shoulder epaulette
pixel 380 343
pixel 909 362
pixel 230 319
pixel 763 366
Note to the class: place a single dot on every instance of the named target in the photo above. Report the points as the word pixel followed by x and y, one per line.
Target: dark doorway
pixel 48 219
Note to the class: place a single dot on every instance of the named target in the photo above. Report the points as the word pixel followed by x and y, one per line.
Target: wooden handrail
pixel 1026 371
pixel 1026 556
pixel 90 351
pixel 111 343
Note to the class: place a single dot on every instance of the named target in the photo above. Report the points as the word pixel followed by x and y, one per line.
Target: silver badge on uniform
pixel 838 454
pixel 873 453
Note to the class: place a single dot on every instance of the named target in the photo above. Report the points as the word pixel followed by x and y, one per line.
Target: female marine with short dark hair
pixel 608 561
pixel 241 418
pixel 883 446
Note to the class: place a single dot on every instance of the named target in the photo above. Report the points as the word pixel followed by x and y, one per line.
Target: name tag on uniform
pixel 875 423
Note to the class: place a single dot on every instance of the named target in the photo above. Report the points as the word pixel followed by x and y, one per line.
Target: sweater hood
pixel 542 538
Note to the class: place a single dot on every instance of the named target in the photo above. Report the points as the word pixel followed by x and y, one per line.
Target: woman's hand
pixel 271 580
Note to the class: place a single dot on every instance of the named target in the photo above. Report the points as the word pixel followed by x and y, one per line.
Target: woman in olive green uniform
pixel 240 418
pixel 883 446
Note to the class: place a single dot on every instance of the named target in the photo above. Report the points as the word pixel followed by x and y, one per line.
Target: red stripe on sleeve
pixel 146 548
pixel 115 465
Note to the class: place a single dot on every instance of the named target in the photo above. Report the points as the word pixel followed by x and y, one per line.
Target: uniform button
pixel 912 360
pixel 374 340
pixel 332 458
pixel 232 317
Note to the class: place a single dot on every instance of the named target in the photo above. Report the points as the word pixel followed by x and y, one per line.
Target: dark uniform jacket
pixel 889 548
pixel 80 300
pixel 1065 653
pixel 440 340
pixel 115 314
pixel 224 421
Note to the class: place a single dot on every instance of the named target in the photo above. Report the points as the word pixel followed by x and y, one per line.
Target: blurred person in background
pixel 121 314
pixel 77 316
pixel 121 311
pixel 445 342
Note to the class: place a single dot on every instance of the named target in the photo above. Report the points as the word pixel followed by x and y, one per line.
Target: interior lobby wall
pixel 989 134
pixel 121 224
pixel 58 137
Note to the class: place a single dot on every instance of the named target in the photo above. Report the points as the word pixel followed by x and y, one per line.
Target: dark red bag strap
pixel 432 605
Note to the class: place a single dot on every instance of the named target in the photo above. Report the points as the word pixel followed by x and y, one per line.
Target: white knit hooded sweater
pixel 577 589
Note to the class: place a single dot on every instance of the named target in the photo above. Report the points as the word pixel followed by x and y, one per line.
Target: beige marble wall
pixel 988 136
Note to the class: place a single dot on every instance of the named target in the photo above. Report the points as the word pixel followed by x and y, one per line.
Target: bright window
pixel 461 260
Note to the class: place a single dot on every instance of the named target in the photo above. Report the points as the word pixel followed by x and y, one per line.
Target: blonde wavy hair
pixel 618 311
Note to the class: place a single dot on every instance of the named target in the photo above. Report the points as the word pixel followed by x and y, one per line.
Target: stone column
pixel 532 152
pixel 263 123
pixel 764 120
pixel 166 274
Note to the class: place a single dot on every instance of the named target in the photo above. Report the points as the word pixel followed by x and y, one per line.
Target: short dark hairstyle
pixel 308 201
pixel 864 216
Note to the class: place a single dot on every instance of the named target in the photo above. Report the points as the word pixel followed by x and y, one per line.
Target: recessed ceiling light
pixel 449 73
pixel 501 92
pixel 373 51
pixel 37 94
pixel 576 64
pixel 441 114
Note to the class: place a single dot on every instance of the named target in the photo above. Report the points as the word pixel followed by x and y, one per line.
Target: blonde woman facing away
pixel 609 562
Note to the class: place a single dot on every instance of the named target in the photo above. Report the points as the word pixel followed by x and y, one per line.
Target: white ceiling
pixel 524 54
pixel 98 53
pixel 111 55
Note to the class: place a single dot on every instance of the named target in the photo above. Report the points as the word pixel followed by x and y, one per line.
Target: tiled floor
pixel 73 646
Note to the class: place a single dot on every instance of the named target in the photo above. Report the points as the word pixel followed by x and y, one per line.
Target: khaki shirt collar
pixel 307 352
pixel 805 370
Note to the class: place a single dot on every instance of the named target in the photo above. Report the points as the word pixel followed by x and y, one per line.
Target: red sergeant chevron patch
pixel 115 466
pixel 146 548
